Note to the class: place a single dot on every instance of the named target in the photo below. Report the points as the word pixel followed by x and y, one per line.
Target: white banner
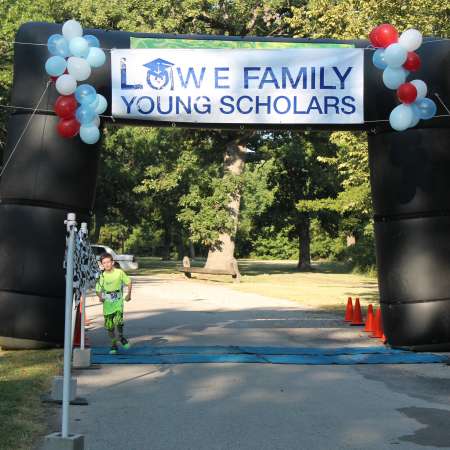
pixel 242 86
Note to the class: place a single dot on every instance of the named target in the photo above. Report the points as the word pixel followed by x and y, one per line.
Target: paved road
pixel 252 406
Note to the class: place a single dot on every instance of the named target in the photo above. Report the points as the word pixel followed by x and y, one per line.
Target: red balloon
pixel 412 62
pixel 65 106
pixel 385 35
pixel 68 128
pixel 407 93
pixel 373 38
pixel 53 79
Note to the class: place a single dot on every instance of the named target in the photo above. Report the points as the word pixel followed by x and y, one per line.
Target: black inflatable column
pixel 47 177
pixel 410 176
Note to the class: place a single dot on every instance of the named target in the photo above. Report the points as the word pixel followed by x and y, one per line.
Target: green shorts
pixel 114 320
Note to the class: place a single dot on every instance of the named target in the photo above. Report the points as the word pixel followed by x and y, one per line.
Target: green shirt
pixel 110 285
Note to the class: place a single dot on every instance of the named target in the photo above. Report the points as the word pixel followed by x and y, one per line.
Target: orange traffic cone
pixel 369 320
pixel 77 331
pixel 357 317
pixel 349 311
pixel 377 331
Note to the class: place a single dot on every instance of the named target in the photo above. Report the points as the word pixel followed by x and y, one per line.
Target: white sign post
pixel 239 86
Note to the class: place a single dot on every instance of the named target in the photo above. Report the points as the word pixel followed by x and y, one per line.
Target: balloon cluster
pixel 74 56
pixel 396 56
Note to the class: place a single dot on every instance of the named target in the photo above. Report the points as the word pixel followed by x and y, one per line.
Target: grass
pixel 24 376
pixel 327 286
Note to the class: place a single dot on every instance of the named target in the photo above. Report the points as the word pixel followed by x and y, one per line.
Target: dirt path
pixel 252 406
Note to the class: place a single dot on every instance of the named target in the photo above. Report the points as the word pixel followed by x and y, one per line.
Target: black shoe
pixel 113 350
pixel 124 343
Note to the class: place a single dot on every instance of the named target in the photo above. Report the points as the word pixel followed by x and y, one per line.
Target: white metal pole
pixel 83 315
pixel 71 228
pixel 84 232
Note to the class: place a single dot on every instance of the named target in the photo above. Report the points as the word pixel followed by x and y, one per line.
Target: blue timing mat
pixel 262 355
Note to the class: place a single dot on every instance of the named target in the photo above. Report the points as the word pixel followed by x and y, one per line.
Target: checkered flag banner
pixel 86 270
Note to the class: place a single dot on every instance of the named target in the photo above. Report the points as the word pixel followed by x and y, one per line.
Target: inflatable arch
pixel 50 176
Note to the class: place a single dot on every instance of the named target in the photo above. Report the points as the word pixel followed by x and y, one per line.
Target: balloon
pixel 407 93
pixel 72 29
pixel 55 65
pixel 96 57
pixel 85 115
pixel 415 119
pixel 421 88
pixel 385 35
pixel 373 38
pixel 58 46
pixel 395 55
pixel 68 127
pixel 426 108
pixel 411 39
pixel 85 94
pixel 66 84
pixel 401 117
pixel 79 47
pixel 378 59
pixel 95 123
pixel 412 62
pixel 65 106
pixel 92 40
pixel 102 104
pixel 93 105
pixel 394 77
pixel 89 134
pixel 79 68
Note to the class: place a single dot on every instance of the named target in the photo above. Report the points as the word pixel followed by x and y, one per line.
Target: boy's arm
pixel 98 291
pixel 128 296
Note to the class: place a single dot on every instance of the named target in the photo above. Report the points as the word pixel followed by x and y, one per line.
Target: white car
pixel 125 262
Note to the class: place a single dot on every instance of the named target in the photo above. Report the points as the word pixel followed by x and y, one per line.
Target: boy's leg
pixel 110 326
pixel 122 338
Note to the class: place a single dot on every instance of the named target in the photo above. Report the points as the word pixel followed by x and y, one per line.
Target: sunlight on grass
pixel 327 286
pixel 24 376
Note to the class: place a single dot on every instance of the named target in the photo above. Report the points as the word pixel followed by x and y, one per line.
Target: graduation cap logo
pixel 159 73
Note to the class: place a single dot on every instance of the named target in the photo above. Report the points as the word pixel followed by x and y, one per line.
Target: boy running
pixel 109 289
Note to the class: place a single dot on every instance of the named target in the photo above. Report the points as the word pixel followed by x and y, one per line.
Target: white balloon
pixel 421 87
pixel 79 68
pixel 410 39
pixel 401 117
pixel 66 84
pixel 72 29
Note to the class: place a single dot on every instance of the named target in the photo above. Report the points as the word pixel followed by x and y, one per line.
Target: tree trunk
pixel 304 238
pixel 221 255
pixel 99 222
pixel 191 250
pixel 167 242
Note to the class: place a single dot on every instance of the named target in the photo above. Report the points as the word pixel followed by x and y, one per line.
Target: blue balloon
pixel 395 55
pixel 55 66
pixel 378 59
pixel 102 104
pixel 415 117
pixel 79 47
pixel 85 115
pixel 94 103
pixel 401 117
pixel 85 94
pixel 58 46
pixel 394 77
pixel 89 134
pixel 426 108
pixel 96 57
pixel 92 40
